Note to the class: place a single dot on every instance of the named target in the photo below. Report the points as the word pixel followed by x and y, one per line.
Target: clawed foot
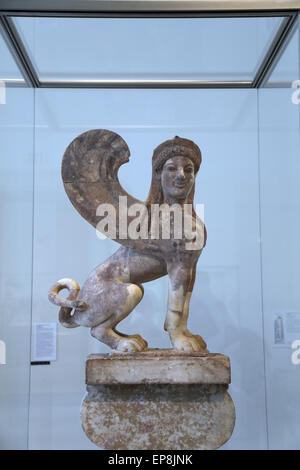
pixel 119 341
pixel 187 342
pixel 131 343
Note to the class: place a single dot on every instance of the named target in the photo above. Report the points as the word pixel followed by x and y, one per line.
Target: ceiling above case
pixel 144 50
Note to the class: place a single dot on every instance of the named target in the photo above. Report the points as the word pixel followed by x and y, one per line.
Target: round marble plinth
pixel 158 416
pixel 159 399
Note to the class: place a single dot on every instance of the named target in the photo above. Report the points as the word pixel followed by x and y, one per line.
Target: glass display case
pixel 228 80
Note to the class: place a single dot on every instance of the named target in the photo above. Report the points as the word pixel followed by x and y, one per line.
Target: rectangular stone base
pixel 157 366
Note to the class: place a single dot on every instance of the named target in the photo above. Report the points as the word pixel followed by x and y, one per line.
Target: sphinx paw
pixel 199 340
pixel 188 343
pixel 132 343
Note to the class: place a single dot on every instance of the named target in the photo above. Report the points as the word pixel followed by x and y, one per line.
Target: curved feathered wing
pixel 90 175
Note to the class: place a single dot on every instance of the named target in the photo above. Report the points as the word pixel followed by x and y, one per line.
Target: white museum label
pixel 44 346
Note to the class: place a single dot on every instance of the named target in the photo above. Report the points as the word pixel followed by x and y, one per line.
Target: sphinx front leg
pixel 106 331
pixel 181 282
pixel 186 332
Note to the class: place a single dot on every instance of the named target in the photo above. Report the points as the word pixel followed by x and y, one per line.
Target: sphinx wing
pixel 90 175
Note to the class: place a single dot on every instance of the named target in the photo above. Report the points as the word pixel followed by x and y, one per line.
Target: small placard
pixel 44 342
pixel 286 329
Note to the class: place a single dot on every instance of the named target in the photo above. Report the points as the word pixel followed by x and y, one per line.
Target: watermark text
pixel 2 92
pixel 295 358
pixel 157 222
pixel 2 352
pixel 296 93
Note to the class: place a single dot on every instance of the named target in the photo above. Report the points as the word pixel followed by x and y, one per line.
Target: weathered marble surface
pixel 164 366
pixel 178 406
pixel 114 288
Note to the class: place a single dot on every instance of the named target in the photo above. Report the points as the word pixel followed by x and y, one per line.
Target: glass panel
pixel 9 71
pixel 226 302
pixel 280 234
pixel 157 48
pixel 16 211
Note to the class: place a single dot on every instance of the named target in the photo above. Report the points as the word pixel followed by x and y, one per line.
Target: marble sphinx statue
pixel 113 289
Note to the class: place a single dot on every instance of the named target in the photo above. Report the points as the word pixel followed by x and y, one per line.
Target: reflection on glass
pixel 208 49
pixel 9 72
pixel 287 68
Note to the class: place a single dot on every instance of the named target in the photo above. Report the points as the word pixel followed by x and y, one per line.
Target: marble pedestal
pixel 159 399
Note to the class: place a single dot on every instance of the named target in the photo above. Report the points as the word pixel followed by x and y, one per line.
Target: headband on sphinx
pixel 176 147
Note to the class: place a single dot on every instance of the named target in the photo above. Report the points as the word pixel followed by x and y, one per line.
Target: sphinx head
pixel 175 164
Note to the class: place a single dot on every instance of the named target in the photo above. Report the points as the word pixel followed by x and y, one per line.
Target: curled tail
pixel 67 305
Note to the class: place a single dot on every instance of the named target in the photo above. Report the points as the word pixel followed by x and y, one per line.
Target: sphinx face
pixel 177 179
